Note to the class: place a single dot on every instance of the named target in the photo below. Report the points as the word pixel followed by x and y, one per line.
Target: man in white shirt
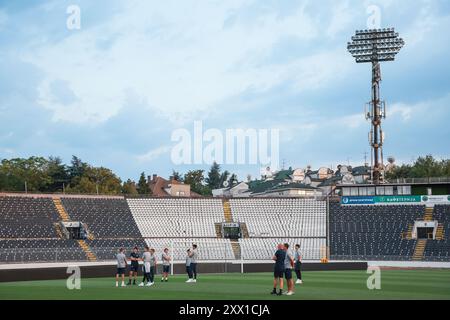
pixel 121 266
pixel 194 256
pixel 188 266
pixel 165 257
pixel 149 266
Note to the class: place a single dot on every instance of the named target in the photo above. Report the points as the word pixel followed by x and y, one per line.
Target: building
pixel 161 187
pixel 237 190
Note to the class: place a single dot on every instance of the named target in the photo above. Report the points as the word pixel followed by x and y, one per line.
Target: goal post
pixel 324 254
pixel 212 251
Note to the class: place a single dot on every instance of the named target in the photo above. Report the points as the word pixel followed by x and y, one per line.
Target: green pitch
pixel 395 284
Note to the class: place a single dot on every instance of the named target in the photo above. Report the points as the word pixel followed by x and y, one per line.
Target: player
pixel 165 258
pixel 278 273
pixel 298 264
pixel 121 266
pixel 188 266
pixel 194 257
pixel 135 257
pixel 288 264
pixel 148 268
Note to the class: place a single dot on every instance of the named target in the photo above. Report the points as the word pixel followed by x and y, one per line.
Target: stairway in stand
pixel 57 227
pixel 408 234
pixel 235 245
pixel 236 249
pixel 218 227
pixel 66 218
pixel 419 250
pixel 61 211
pixel 244 230
pixel 227 211
pixel 89 254
pixel 428 214
pixel 440 232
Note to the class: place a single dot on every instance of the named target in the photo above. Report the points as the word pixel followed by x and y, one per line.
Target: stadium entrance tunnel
pixel 55 271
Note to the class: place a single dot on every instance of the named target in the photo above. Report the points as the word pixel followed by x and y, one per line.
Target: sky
pixel 114 90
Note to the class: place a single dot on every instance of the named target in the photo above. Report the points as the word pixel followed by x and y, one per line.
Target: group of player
pixel 284 263
pixel 149 263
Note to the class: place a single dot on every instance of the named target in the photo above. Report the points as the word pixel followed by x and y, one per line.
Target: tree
pixel 399 172
pixel 142 186
pixel 233 180
pixel 15 173
pixel 426 167
pixel 195 179
pixel 129 187
pixel 58 173
pixel 97 180
pixel 176 176
pixel 446 168
pixel 423 167
pixel 223 178
pixel 213 179
pixel 76 170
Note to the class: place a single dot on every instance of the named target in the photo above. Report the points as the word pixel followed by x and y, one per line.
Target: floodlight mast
pixel 375 46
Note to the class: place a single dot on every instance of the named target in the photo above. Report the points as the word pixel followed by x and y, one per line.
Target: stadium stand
pixel 176 218
pixel 263 249
pixel 439 249
pixel 109 221
pixel 105 218
pixel 28 233
pixel 22 217
pixel 106 249
pixel 40 250
pixel 29 228
pixel 281 217
pixel 368 232
pixel 208 249
pixel 272 221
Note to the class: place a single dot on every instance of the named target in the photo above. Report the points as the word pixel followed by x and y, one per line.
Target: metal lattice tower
pixel 375 46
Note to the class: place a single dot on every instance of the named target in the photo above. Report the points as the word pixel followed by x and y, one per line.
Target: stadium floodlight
pixel 375 46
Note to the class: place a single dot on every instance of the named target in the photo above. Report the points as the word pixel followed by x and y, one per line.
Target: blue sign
pixel 358 200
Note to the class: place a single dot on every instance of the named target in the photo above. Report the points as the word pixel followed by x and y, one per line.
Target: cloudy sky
pixel 114 91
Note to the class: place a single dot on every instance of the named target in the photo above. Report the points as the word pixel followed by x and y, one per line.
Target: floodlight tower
pixel 375 46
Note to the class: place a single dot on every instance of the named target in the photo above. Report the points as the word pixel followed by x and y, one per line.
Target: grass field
pixel 395 284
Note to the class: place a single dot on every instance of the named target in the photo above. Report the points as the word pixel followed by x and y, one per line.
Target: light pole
pixel 375 46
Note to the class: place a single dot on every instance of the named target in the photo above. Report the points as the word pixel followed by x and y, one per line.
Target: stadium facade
pixel 56 228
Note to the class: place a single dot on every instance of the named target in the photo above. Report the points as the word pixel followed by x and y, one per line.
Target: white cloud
pixel 179 58
pixel 342 16
pixel 405 111
pixel 154 154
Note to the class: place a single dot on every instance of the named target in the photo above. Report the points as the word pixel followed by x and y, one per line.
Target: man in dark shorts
pixel 288 264
pixel 298 264
pixel 193 254
pixel 278 273
pixel 165 258
pixel 188 266
pixel 134 265
pixel 121 267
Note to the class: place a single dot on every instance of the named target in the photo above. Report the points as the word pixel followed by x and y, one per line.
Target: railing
pixel 52 255
pixel 421 180
pixel 371 258
pixel 388 258
pixel 219 253
pixel 27 255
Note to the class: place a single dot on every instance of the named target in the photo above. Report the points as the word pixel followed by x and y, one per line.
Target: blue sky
pixel 113 91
